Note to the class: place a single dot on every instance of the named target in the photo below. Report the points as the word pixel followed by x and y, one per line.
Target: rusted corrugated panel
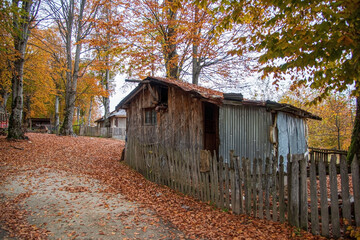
pixel 244 129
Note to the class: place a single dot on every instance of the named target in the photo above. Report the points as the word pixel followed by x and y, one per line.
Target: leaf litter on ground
pixel 99 159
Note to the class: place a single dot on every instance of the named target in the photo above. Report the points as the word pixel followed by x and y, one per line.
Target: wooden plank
pixel 216 179
pixel 274 189
pixel 226 189
pixel 345 191
pixel 237 187
pixel 253 187
pixel 303 193
pixel 221 182
pixel 232 181
pixel 323 198
pixel 288 177
pixel 313 197
pixel 260 187
pixel 247 187
pixel 356 188
pixel 294 193
pixel 335 218
pixel 281 190
pixel 241 181
pixel 267 188
pixel 211 177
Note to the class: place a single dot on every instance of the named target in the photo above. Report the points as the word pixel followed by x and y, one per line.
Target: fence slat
pixel 259 183
pixel 253 186
pixel 267 188
pixel 313 197
pixel 356 188
pixel 232 181
pixel 221 182
pixel 323 198
pixel 226 189
pixel 274 189
pixel 335 219
pixel 241 181
pixel 281 190
pixel 345 188
pixel 247 186
pixel 303 194
pixel 294 192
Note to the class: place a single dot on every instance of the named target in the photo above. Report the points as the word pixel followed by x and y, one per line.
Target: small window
pixel 163 92
pixel 150 116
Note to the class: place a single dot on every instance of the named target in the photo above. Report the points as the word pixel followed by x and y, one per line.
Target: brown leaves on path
pixel 99 159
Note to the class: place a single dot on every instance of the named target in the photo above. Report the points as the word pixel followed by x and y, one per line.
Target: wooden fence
pixel 118 133
pixel 300 193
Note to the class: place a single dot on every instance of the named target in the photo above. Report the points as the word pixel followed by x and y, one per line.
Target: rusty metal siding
pixel 244 129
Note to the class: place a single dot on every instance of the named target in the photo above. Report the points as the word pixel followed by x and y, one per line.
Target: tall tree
pixel 316 42
pixel 74 26
pixel 22 15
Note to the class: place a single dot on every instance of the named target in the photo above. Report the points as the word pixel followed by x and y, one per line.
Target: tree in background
pixel 317 43
pixel 22 15
pixel 337 113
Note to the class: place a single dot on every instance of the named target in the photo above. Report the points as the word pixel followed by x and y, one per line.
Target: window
pixel 163 95
pixel 150 116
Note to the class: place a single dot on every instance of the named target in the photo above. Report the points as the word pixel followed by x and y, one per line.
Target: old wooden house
pixel 117 119
pixel 181 115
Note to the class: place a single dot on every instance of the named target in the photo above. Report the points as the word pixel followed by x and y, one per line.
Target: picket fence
pixel 118 133
pixel 301 193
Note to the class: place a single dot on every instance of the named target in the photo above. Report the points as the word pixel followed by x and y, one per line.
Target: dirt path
pixel 70 207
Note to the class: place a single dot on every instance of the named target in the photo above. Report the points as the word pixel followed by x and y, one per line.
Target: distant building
pixel 117 119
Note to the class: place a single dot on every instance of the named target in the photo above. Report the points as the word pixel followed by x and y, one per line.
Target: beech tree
pixel 317 43
pixel 23 14
pixel 72 18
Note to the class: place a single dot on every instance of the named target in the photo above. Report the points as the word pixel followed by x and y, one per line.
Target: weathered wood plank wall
pixel 260 189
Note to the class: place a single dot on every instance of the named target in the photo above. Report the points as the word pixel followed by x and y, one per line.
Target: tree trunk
pixel 72 76
pixel 355 138
pixel 171 56
pixel 195 58
pixel 106 100
pixel 57 121
pixel 90 108
pixel 21 23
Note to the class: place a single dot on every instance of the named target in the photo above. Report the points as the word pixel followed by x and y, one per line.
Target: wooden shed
pixel 180 115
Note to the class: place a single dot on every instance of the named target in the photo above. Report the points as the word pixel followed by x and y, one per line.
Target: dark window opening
pixel 163 95
pixel 211 121
pixel 150 116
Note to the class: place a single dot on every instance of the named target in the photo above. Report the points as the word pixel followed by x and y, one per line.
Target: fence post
pixel 335 219
pixel 344 173
pixel 281 190
pixel 323 198
pixel 313 197
pixel 303 193
pixel 294 192
pixel 356 189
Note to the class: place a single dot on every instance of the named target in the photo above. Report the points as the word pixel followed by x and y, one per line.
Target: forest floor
pixel 54 187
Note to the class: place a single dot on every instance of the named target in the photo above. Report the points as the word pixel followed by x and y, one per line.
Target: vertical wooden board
pixel 356 188
pixel 226 189
pixel 281 190
pixel 216 179
pixel 248 187
pixel 253 186
pixel 323 198
pixel 294 193
pixel 345 192
pixel 313 197
pixel 303 193
pixel 267 188
pixel 221 182
pixel 232 182
pixel 188 173
pixel 288 180
pixel 274 189
pixel 194 173
pixel 246 193
pixel 241 181
pixel 236 183
pixel 335 219
pixel 260 187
